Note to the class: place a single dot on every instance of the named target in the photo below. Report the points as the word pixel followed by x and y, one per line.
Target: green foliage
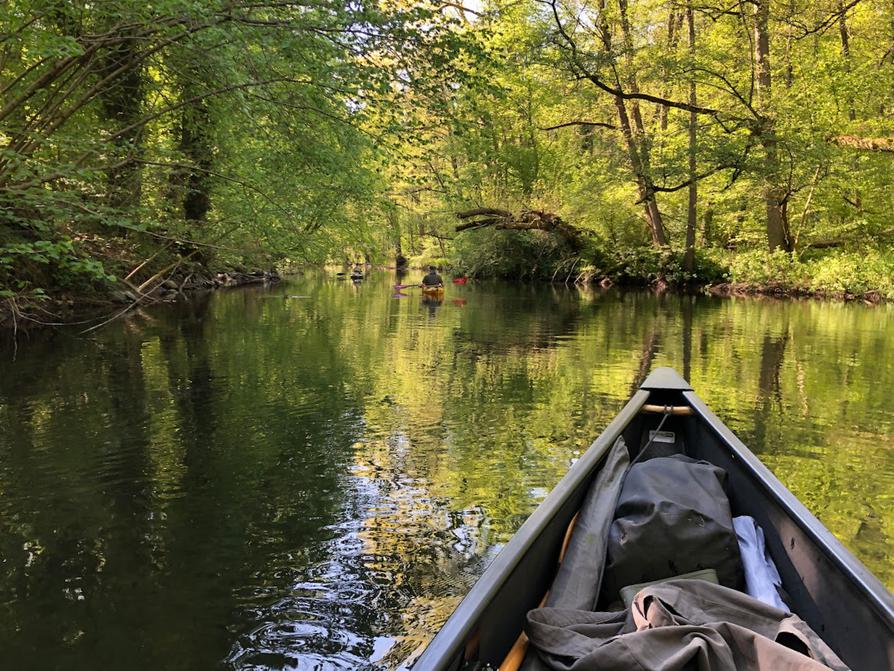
pixel 762 268
pixel 254 132
pixel 853 273
pixel 537 255
pixel 273 132
pixel 645 265
pixel 521 138
pixel 57 263
pixel 429 255
pixel 837 272
pixel 514 255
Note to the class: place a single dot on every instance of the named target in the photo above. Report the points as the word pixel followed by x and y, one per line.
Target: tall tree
pixel 775 195
pixel 692 209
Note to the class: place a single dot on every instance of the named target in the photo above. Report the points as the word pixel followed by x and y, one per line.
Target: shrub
pixel 844 272
pixel 538 255
pixel 57 263
pixel 761 268
pixel 835 272
pixel 645 265
pixel 509 254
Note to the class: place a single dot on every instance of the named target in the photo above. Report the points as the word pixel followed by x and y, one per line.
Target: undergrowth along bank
pixel 844 273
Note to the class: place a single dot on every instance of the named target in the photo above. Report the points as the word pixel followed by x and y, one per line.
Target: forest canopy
pixel 641 140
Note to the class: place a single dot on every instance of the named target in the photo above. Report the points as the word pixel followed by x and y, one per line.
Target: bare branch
pixel 589 75
pixel 479 211
pixel 823 25
pixel 597 124
pixel 683 185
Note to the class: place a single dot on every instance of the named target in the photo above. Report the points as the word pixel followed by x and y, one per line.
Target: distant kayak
pixel 460 280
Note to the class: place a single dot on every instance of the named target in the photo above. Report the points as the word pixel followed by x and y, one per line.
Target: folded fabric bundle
pixel 681 625
pixel 762 579
pixel 580 574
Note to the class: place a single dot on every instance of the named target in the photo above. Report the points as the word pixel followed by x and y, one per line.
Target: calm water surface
pixel 311 476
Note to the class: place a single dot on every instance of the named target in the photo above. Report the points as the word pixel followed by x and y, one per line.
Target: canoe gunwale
pixel 449 643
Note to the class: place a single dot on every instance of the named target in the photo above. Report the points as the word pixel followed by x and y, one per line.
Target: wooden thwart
pixel 667 409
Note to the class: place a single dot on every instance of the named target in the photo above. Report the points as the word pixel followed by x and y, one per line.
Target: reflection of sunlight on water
pixel 423 519
pixel 538 493
pixel 363 605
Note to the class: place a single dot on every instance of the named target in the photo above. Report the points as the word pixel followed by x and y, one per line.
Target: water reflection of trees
pixel 262 462
pixel 162 435
pixel 527 316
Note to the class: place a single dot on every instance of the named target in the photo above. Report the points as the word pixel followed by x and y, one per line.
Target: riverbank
pixel 732 289
pixel 863 273
pixel 846 275
pixel 101 305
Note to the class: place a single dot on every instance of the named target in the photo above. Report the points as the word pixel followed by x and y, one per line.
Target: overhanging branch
pixel 592 124
pixel 526 220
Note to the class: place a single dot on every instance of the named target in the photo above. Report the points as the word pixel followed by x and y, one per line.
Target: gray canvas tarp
pixel 672 517
pixel 579 576
pixel 679 625
pixel 577 582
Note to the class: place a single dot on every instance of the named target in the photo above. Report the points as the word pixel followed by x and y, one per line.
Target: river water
pixel 312 475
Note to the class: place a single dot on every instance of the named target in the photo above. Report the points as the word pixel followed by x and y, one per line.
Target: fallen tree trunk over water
pixel 526 220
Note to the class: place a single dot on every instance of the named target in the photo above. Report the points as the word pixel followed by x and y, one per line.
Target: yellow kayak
pixel 435 292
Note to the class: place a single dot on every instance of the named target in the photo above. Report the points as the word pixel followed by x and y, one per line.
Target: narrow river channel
pixel 312 475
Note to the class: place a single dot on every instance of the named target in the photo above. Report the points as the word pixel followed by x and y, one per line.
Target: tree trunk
pixel 189 184
pixel 846 55
pixel 122 107
pixel 788 76
pixel 708 226
pixel 526 220
pixel 400 261
pixel 643 182
pixel 634 134
pixel 857 197
pixel 774 195
pixel 692 212
pixel 674 26
pixel 778 236
pixel 195 143
pixel 777 221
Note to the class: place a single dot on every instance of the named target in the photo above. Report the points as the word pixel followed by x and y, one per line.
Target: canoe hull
pixel 829 588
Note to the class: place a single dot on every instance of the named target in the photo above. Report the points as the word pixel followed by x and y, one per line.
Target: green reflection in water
pixel 258 481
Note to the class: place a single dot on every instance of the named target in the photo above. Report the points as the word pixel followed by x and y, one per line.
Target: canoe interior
pixel 838 597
